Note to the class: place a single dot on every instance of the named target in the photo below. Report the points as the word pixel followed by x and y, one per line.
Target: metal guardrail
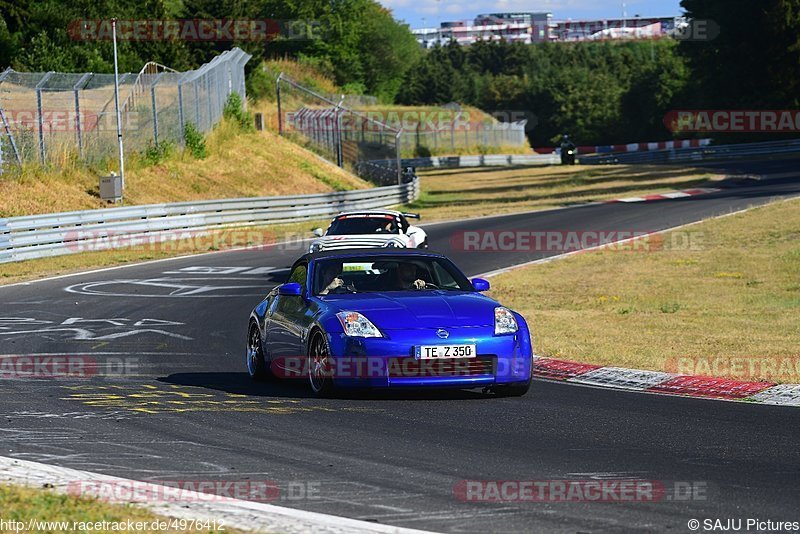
pixel 489 160
pixel 37 236
pixel 689 155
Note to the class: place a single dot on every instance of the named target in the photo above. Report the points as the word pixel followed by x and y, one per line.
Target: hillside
pixel 238 165
pixel 418 121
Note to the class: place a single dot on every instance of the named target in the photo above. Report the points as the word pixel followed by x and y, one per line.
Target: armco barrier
pixel 689 155
pixel 632 147
pixel 489 160
pixel 38 236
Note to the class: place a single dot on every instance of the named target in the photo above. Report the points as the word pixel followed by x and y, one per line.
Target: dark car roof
pixel 349 252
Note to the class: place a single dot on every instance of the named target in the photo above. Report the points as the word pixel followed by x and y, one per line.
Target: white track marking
pixel 240 514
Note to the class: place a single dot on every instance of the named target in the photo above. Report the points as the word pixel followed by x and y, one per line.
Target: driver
pixel 330 276
pixel 387 228
pixel 407 277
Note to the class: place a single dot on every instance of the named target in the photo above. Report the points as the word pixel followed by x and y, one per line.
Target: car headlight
pixel 356 325
pixel 504 321
pixel 315 247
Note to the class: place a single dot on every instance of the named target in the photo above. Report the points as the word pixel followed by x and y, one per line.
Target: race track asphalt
pixel 186 410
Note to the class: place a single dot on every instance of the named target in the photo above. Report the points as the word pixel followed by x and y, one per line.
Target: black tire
pixel 257 366
pixel 424 244
pixel 512 390
pixel 320 380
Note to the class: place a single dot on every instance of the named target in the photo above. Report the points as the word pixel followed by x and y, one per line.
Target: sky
pixel 429 13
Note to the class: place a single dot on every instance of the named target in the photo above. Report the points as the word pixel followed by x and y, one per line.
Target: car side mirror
pixel 317 232
pixel 480 284
pixel 292 289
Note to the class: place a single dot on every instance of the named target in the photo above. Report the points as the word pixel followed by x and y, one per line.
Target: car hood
pixel 413 309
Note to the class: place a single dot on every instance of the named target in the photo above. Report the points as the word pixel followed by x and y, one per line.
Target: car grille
pixel 413 368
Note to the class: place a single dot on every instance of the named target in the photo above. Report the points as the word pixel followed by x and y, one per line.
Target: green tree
pixel 754 62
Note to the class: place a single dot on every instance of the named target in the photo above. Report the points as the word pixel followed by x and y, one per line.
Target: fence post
pixel 39 112
pixel 76 90
pixel 397 138
pixel 278 95
pixel 154 103
pixel 337 115
pixel 209 101
pixel 181 118
pixel 453 136
pixel 196 85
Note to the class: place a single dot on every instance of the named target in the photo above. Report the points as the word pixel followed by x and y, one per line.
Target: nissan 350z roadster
pixel 396 318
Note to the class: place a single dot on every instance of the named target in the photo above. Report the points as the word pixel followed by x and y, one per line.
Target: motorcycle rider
pixel 568 150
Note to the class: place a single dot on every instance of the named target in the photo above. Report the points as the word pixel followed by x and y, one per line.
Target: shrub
pixel 154 154
pixel 234 110
pixel 195 142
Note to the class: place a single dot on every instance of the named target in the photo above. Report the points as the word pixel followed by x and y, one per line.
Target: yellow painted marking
pixel 170 398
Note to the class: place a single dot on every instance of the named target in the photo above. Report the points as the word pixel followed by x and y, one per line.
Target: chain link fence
pixel 348 138
pixel 458 134
pixel 358 139
pixel 53 117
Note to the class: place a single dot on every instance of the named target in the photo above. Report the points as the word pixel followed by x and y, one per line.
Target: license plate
pixel 440 352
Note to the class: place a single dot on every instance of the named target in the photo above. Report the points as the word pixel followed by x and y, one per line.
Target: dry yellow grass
pixel 22 504
pixel 464 193
pixel 238 165
pixel 729 306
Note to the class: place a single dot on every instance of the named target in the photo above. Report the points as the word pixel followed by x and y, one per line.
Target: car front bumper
pixel 390 361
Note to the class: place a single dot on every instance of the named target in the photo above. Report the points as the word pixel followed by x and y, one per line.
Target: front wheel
pixel 512 390
pixel 424 244
pixel 319 366
pixel 257 367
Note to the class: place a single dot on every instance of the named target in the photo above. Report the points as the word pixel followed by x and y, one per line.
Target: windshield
pixel 363 224
pixel 372 275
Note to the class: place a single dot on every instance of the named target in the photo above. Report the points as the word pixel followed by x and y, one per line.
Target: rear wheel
pixel 424 244
pixel 257 367
pixel 319 366
pixel 512 390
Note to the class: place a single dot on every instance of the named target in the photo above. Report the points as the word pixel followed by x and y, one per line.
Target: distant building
pixel 537 27
pixel 631 28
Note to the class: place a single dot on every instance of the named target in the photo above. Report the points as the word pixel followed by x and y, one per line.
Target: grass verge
pixel 464 193
pixel 22 504
pixel 719 298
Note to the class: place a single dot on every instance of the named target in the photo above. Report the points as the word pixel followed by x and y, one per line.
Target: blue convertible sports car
pixel 387 318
